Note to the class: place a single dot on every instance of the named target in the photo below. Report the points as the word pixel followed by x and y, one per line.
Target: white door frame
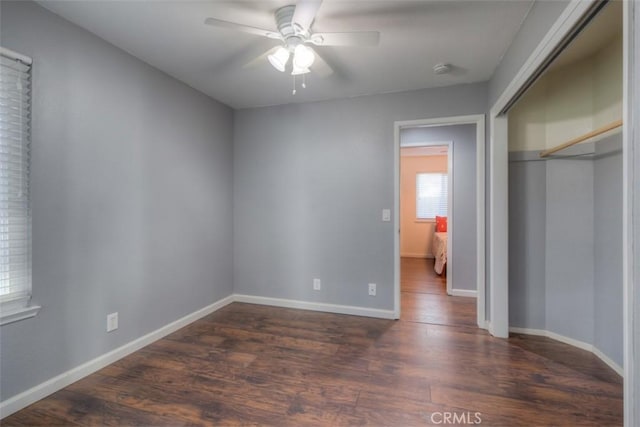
pixel 478 120
pixel 498 209
pixel 631 205
pixel 450 213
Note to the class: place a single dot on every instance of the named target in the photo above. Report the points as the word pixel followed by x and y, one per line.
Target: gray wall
pixel 132 203
pixel 565 245
pixel 539 20
pixel 463 230
pixel 527 218
pixel 310 182
pixel 608 291
pixel 569 249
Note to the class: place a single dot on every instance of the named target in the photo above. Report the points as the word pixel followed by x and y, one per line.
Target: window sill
pixel 17 314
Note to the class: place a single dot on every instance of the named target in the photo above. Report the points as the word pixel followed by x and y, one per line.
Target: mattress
pixel 439 248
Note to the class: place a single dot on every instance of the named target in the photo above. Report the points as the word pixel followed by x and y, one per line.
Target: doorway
pixel 426 194
pixel 470 273
pixel 426 205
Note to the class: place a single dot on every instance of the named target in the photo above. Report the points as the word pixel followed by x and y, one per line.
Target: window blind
pixel 15 210
pixel 431 195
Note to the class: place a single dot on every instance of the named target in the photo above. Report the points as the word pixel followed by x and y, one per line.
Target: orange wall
pixel 415 236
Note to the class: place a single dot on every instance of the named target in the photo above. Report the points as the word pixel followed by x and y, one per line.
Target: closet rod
pixel 582 138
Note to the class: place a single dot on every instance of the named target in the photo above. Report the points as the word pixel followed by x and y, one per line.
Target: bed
pixel 439 247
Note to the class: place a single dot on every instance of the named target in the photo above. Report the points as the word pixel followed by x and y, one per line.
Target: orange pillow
pixel 441 224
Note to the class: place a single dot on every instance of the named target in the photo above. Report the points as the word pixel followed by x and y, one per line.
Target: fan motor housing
pixel 284 16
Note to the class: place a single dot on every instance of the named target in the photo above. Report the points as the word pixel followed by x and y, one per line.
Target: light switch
pixel 386 215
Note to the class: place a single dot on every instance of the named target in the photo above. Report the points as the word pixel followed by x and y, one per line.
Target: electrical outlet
pixel 317 284
pixel 112 322
pixel 372 289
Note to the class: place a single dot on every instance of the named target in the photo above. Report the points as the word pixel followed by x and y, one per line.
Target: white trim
pixel 548 334
pixel 572 342
pixel 56 383
pixel 316 306
pixel 396 222
pixel 478 120
pixel 481 204
pixel 425 144
pixel 450 216
pixel 498 221
pixel 10 316
pixel 631 163
pixel 468 293
pixel 606 359
pixel 498 209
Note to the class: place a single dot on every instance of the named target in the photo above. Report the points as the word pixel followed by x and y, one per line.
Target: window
pixel 15 211
pixel 431 195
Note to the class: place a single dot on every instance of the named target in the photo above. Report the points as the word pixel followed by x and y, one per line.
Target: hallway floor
pixel 424 297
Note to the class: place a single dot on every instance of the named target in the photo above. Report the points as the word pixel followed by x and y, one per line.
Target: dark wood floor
pixel 249 364
pixel 424 297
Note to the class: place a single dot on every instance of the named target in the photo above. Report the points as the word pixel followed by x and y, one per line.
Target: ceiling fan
pixel 297 38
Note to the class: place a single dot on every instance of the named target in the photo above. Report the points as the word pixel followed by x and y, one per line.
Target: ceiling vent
pixel 442 68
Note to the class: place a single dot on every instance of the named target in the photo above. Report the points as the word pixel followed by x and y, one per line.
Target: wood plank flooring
pixel 424 297
pixel 255 365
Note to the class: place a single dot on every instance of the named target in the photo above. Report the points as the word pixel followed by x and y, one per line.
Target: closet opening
pixel 565 195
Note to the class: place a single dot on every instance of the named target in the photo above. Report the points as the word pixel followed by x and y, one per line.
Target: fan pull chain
pixel 303 85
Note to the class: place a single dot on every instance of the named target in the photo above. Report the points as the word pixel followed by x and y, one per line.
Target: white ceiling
pixel 472 35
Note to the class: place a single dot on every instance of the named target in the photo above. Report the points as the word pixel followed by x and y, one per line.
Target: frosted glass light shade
pixel 303 57
pixel 298 71
pixel 279 59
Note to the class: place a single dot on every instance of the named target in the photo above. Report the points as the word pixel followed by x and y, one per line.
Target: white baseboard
pixel 56 383
pixel 316 306
pixel 575 343
pixel 464 293
pixel 606 359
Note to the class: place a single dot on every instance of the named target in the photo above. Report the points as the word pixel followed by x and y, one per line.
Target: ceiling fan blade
pixel 356 38
pixel 305 13
pixel 320 66
pixel 260 58
pixel 244 28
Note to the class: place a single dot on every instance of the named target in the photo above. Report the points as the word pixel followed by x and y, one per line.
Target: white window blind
pixel 15 211
pixel 431 195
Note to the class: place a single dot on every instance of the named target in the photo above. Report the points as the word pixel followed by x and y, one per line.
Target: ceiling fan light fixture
pixel 316 39
pixel 299 71
pixel 279 59
pixel 303 57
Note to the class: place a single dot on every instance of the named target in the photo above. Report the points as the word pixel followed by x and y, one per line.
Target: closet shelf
pixel 582 138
